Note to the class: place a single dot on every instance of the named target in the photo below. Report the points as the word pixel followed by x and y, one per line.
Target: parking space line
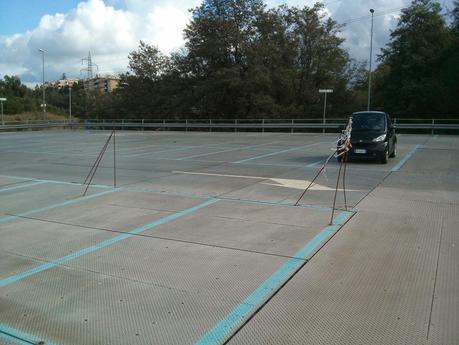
pixel 55 181
pixel 178 194
pixel 53 206
pixel 405 159
pixel 277 153
pixel 106 243
pixel 22 186
pixel 19 337
pixel 236 318
pixel 227 150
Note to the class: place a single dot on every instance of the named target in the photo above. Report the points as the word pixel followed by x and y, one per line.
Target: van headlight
pixel 380 138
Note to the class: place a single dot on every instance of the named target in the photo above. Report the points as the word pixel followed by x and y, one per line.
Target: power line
pixel 383 13
pixel 378 14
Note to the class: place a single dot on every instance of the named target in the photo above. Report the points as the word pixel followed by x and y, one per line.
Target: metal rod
pixel 315 178
pixel 70 104
pixel 371 60
pixel 98 157
pixel 95 170
pixel 344 180
pixel 325 112
pixel 336 192
pixel 92 176
pixel 114 158
pixel 43 85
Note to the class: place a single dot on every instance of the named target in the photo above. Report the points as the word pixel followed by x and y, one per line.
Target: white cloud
pixel 112 33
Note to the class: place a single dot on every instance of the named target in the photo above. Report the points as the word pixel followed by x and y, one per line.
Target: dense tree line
pixel 244 60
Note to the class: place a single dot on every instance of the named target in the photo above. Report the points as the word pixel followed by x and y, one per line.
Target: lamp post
pixel 372 11
pixel 1 106
pixel 43 83
pixel 325 91
pixel 70 102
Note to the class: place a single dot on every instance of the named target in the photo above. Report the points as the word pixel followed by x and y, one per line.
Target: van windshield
pixel 368 122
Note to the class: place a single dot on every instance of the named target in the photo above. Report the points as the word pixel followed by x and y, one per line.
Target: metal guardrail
pixel 235 125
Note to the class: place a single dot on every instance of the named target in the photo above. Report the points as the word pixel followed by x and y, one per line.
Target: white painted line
pixel 278 152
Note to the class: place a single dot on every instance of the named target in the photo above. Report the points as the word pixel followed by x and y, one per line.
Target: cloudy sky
pixel 110 29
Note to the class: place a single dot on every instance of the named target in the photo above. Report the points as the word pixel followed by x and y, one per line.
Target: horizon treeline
pixel 244 60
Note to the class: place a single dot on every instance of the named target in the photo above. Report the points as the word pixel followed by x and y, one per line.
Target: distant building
pixel 104 84
pixel 65 82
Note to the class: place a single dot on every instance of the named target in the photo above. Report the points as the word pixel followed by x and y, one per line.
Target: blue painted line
pixel 276 153
pixel 19 337
pixel 103 244
pixel 405 159
pixel 273 203
pixel 50 207
pixel 246 308
pixel 55 181
pixel 22 186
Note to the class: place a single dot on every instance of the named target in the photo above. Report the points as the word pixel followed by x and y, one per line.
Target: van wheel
pixel 385 156
pixel 394 152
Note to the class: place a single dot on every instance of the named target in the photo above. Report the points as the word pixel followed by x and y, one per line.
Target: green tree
pixel 418 44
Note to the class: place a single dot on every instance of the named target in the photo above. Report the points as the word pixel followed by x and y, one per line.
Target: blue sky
pixel 111 29
pixel 17 16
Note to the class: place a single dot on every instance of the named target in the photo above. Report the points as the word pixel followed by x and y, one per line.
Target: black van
pixel 373 136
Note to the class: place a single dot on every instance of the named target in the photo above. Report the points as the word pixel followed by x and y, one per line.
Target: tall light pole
pixel 43 83
pixel 371 59
pixel 325 91
pixel 1 105
pixel 70 102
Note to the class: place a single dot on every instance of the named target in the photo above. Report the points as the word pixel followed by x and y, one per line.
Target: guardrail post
pixel 433 126
pixel 143 124
pixel 186 125
pixel 122 124
pixel 235 125
pixel 210 125
pixel 164 127
pixel 291 129
pixel 263 126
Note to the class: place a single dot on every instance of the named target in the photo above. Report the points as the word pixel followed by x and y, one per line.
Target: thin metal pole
pixel 70 104
pixel 94 172
pixel 3 121
pixel 336 192
pixel 371 60
pixel 315 178
pixel 344 180
pixel 114 158
pixel 43 85
pixel 99 157
pixel 325 111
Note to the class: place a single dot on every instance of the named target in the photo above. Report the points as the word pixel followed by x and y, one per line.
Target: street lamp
pixel 70 102
pixel 371 59
pixel 1 106
pixel 43 105
pixel 325 91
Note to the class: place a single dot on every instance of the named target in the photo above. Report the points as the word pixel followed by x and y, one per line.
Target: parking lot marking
pixel 103 244
pixel 223 151
pixel 250 304
pixel 19 337
pixel 53 206
pixel 405 159
pixel 278 152
pixel 22 186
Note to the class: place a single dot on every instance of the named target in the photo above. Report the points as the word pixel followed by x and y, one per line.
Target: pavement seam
pixel 159 238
